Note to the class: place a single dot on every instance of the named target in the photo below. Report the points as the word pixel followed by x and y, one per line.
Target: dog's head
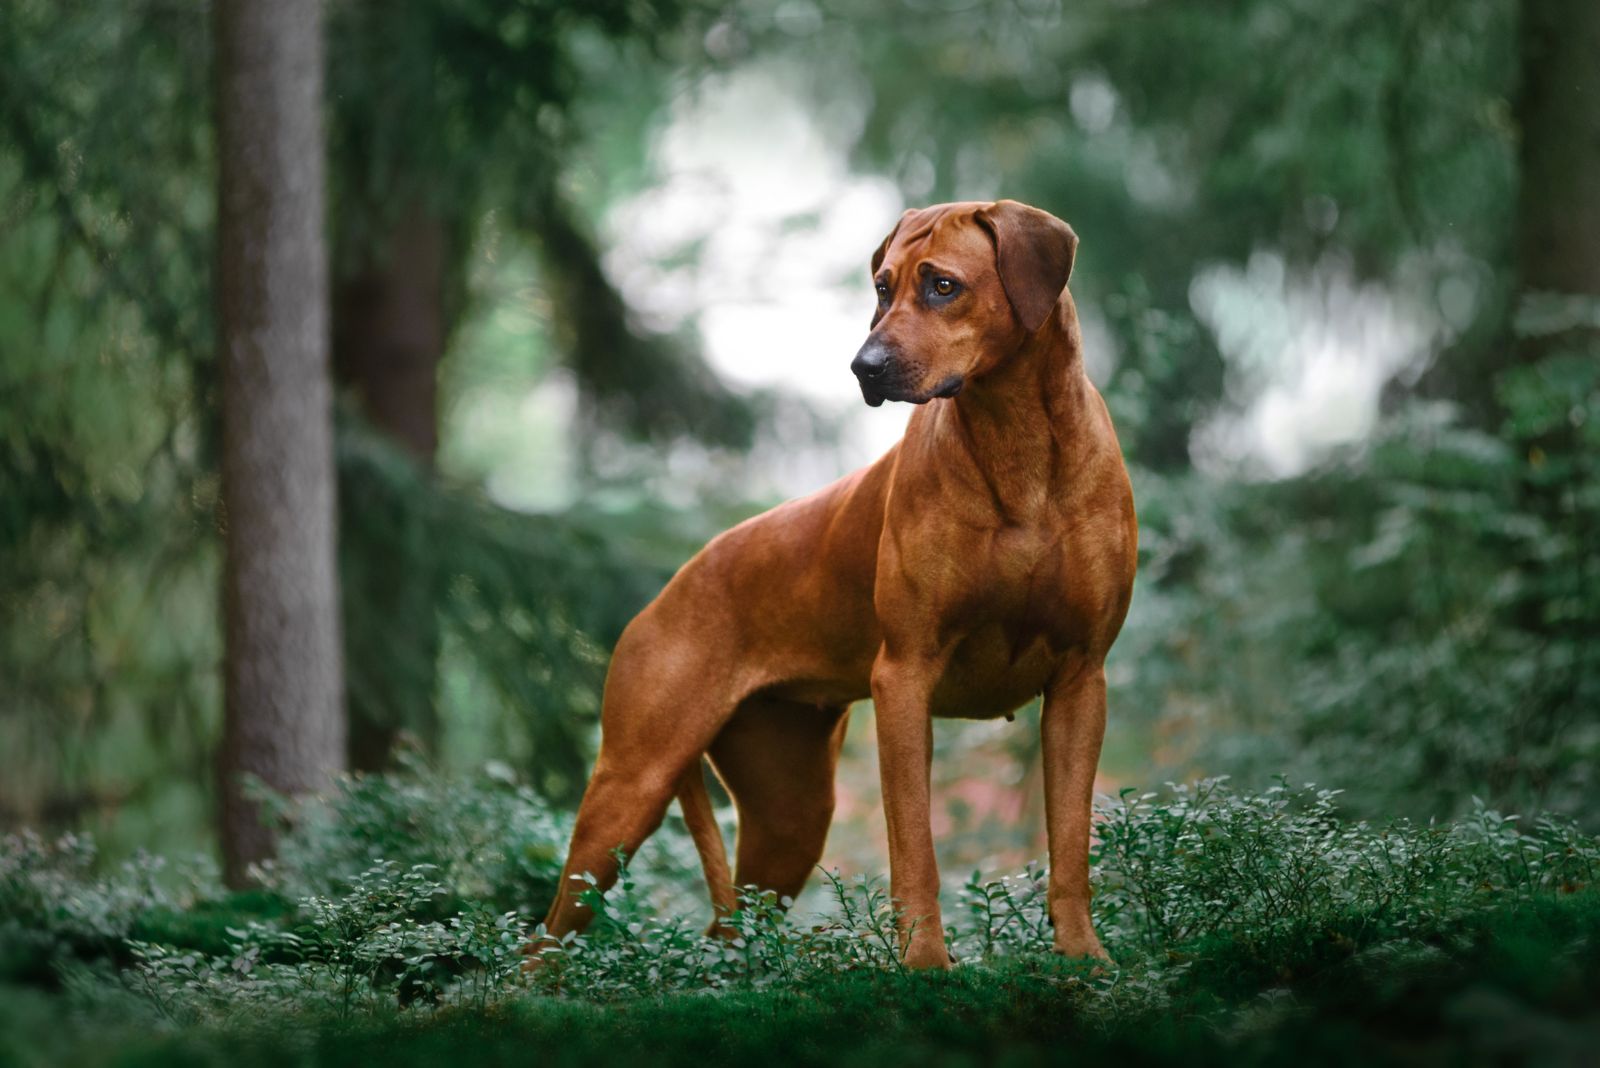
pixel 960 287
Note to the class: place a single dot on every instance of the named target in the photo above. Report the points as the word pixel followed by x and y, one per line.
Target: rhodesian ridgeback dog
pixel 986 559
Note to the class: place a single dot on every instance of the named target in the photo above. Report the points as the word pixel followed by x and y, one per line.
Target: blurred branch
pixel 532 601
pixel 39 168
pixel 652 386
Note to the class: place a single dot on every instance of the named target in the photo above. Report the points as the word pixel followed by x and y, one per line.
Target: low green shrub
pixel 1271 869
pixel 53 905
pixel 362 949
pixel 1515 986
pixel 631 950
pixel 1210 898
pixel 489 839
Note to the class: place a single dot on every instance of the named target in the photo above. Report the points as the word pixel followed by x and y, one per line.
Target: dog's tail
pixel 702 822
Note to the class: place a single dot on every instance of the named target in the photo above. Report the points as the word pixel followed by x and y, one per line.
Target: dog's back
pixel 785 597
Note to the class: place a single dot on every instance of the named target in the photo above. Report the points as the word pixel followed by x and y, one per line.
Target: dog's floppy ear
pixel 883 249
pixel 1033 252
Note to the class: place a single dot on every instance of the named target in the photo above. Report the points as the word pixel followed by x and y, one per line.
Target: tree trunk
pixel 283 720
pixel 1557 275
pixel 389 328
pixel 1558 115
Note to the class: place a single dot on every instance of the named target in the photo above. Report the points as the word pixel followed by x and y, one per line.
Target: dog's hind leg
pixel 620 809
pixel 777 759
pixel 701 820
pixel 657 721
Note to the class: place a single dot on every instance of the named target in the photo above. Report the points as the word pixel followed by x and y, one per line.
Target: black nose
pixel 871 360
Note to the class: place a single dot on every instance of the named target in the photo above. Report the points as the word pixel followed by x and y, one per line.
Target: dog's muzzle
pixel 870 367
pixel 881 374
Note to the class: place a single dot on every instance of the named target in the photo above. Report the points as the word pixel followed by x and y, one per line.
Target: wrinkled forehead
pixel 946 234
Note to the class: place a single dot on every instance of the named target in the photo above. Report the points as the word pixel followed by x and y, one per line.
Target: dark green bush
pixel 1417 620
pixel 54 907
pixel 1237 919
pixel 487 838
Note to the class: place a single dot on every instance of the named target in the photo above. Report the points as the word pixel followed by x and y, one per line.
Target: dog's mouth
pixel 876 392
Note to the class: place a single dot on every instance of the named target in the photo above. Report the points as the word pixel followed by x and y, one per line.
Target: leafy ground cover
pixel 1248 928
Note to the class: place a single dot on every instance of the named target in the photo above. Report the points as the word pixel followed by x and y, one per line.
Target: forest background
pixel 594 274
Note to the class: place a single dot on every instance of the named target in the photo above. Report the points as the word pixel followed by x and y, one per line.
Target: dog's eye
pixel 944 286
pixel 883 293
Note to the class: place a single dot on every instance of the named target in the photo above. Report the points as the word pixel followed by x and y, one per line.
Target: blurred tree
pixel 1558 204
pixel 1545 395
pixel 107 407
pixel 283 718
pixel 109 444
pixel 1177 136
pixel 441 112
pixel 1362 624
pixel 390 325
pixel 1357 623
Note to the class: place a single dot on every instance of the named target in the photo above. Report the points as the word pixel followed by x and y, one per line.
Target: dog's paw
pixel 925 954
pixel 538 955
pixel 1086 949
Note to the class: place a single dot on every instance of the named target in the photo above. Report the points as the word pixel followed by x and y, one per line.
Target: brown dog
pixel 987 558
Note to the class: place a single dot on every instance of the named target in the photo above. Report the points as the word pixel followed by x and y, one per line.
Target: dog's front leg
pixel 1074 724
pixel 901 690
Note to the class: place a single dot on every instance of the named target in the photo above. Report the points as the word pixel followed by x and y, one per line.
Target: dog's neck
pixel 1018 423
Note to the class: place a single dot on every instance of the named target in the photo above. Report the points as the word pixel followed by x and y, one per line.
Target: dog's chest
pixel 992 671
pixel 1018 574
pixel 1011 625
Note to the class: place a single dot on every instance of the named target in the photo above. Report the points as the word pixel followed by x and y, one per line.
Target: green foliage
pixel 362 949
pixel 484 839
pixel 1517 989
pixel 1176 136
pixel 401 897
pixel 386 940
pixel 632 951
pixel 1280 877
pixel 106 518
pixel 466 107
pixel 53 907
pixel 1425 630
pixel 108 480
pixel 1008 915
pixel 525 606
pixel 1241 922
